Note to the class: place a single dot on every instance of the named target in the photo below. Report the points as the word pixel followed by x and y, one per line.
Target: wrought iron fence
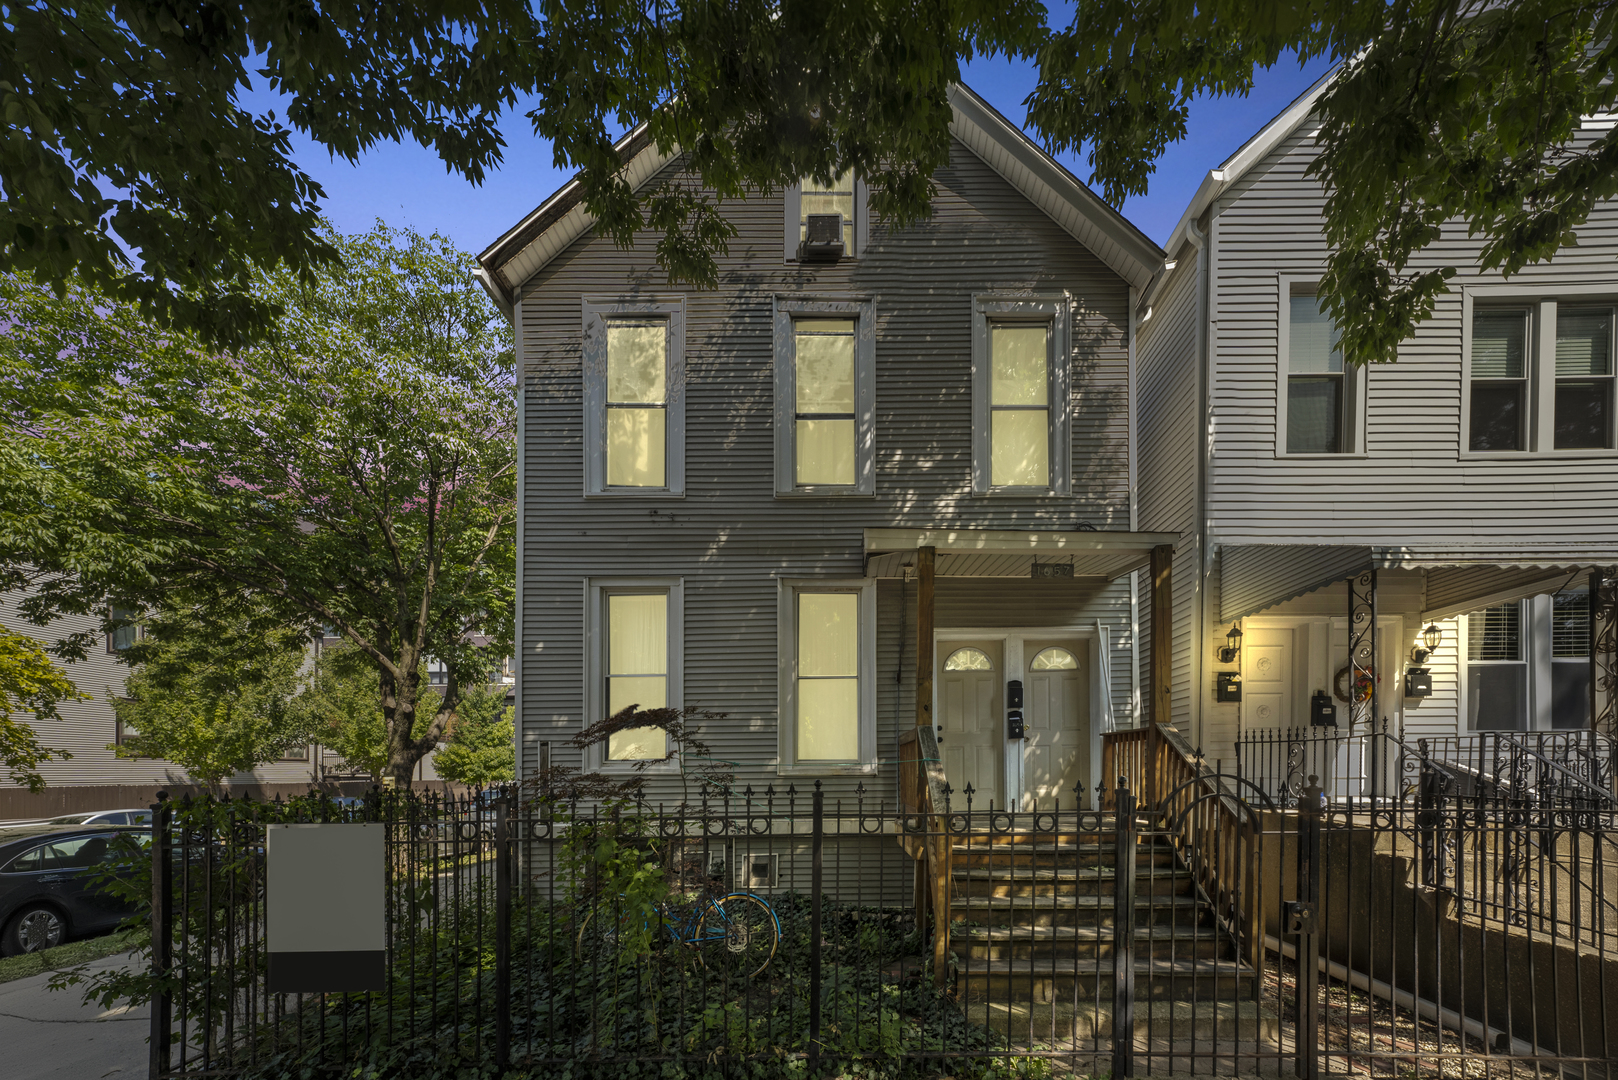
pixel 785 931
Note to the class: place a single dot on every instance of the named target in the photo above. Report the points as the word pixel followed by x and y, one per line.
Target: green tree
pixel 356 472
pixel 215 696
pixel 482 747
pixel 345 704
pixel 28 681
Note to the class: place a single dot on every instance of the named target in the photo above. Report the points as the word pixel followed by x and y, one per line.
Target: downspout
pixel 1199 597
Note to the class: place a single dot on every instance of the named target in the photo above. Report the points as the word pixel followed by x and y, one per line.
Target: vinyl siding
pixel 1167 425
pixel 729 538
pixel 1412 487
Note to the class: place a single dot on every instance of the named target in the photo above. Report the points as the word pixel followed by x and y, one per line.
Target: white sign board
pixel 324 905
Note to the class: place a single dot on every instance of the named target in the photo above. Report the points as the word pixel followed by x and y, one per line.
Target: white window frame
pixel 1539 439
pixel 596 591
pixel 787 685
pixel 787 310
pixel 862 221
pixel 1355 379
pixel 595 314
pixel 1057 310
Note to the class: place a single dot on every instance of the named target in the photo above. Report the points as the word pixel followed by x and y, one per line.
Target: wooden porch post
pixel 1162 666
pixel 925 559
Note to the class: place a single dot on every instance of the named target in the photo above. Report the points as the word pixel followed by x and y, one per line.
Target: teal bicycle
pixel 736 933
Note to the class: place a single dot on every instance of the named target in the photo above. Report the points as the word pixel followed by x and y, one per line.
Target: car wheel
pixel 36 927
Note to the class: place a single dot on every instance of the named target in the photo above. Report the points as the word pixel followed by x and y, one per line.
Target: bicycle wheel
pixel 599 935
pixel 738 935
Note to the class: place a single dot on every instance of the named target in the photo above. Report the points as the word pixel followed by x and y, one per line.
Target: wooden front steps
pixel 1032 922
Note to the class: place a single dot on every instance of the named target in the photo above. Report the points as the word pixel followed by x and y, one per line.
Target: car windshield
pixel 72 819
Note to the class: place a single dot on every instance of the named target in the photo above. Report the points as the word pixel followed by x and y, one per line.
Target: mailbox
pixel 1014 694
pixel 1322 713
pixel 1418 682
pixel 1228 686
pixel 1014 729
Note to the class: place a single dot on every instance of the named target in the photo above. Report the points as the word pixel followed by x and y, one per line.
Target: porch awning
pixel 1254 577
pixel 1011 553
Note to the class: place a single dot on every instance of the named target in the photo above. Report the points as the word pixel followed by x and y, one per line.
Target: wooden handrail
pixel 921 798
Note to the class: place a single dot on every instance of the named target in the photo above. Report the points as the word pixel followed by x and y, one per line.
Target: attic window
pixel 811 237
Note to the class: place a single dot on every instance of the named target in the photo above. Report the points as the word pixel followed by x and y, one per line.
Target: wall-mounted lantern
pixel 1430 638
pixel 1233 645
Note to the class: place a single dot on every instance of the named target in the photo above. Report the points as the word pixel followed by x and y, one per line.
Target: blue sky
pixel 406 185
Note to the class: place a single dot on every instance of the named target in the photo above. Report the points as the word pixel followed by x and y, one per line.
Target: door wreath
pixel 1364 684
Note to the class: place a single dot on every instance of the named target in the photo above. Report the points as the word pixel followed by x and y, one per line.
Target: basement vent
pixel 760 871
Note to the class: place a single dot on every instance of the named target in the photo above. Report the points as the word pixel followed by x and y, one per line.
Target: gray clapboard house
pixel 1471 488
pixel 869 482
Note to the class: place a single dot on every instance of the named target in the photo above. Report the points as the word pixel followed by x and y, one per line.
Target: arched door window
pixel 968 659
pixel 1053 659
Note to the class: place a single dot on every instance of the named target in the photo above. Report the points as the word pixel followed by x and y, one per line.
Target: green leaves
pixel 482 744
pixel 28 680
pixel 357 474
pixel 1443 116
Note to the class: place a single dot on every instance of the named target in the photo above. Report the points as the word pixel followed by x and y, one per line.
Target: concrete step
pixel 994 855
pixel 1160 1026
pixel 1079 909
pixel 1054 980
pixel 973 942
pixel 1039 883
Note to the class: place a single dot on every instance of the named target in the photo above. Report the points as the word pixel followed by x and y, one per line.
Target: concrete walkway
pixel 45 1035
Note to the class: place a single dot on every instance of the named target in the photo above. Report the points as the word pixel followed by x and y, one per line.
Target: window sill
pixel 1020 493
pixel 1536 455
pixel 830 768
pixel 1359 456
pixel 825 493
pixel 635 493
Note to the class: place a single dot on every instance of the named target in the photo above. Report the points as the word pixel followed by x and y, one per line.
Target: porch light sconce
pixel 1430 637
pixel 1233 646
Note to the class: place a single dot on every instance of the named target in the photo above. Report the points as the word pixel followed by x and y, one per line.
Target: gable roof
pixel 1250 153
pixel 561 219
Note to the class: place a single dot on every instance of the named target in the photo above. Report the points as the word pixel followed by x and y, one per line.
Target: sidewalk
pixel 48 1035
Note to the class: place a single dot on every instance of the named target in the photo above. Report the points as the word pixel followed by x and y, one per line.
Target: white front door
pixel 1056 693
pixel 1269 678
pixel 970 681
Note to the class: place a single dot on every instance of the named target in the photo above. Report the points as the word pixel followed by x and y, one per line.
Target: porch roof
pixel 1254 577
pixel 1011 553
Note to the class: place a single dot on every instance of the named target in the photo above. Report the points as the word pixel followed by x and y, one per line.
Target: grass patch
pixel 69 955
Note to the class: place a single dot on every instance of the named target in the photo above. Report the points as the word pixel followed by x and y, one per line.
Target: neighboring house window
pixel 828 699
pixel 123 733
pixel 1499 405
pixel 1528 664
pixel 1496 669
pixel 437 672
pixel 634 631
pixel 1584 379
pixel 825 397
pixel 634 368
pixel 845 196
pixel 1570 660
pixel 1021 417
pixel 122 637
pixel 1317 392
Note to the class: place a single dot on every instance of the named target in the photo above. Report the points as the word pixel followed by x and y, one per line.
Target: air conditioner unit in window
pixel 760 871
pixel 822 238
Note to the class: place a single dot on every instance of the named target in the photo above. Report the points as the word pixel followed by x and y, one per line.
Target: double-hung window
pixel 1584 379
pixel 1317 399
pixel 126 633
pixel 1496 669
pixel 828 659
pixel 825 397
pixel 633 629
pixel 634 398
pixel 1528 664
pixel 1570 660
pixel 1021 418
pixel 1540 376
pixel 1499 383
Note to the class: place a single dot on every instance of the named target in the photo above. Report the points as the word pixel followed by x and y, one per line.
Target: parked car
pixel 135 816
pixel 47 891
